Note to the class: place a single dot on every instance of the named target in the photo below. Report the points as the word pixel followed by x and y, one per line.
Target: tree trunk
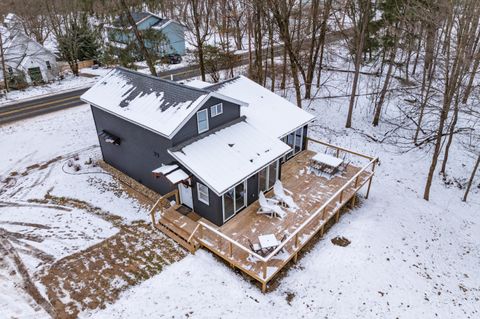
pixel 383 92
pixel 138 35
pixel 358 62
pixel 470 181
pixel 4 67
pixel 323 33
pixel 450 135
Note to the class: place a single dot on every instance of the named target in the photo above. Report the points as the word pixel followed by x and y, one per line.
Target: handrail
pixel 319 210
pixel 232 241
pixel 193 233
pixel 163 197
pixel 340 148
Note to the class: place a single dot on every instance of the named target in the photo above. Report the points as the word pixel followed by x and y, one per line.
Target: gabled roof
pixel 139 17
pixel 224 157
pixel 159 105
pixel 266 111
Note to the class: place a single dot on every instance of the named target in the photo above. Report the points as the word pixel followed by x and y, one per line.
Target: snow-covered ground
pixel 87 77
pixel 407 258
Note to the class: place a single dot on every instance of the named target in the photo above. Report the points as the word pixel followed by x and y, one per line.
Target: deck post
pixel 341 197
pixel 177 199
pixel 322 230
pixel 231 249
pixel 264 286
pixel 369 184
pixel 152 213
pixel 264 270
pixel 295 258
pixel 338 152
pixel 353 200
pixel 296 240
pixel 324 212
pixel 337 216
pixel 356 181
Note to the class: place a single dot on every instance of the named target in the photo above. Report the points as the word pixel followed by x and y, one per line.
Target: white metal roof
pixel 266 111
pixel 226 157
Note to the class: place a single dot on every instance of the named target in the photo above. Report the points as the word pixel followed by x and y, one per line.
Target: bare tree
pixel 360 15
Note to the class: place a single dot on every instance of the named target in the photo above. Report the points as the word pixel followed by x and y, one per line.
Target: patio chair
pixel 284 195
pixel 268 206
pixel 254 247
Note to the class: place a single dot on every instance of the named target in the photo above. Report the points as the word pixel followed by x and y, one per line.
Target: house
pixel 219 145
pixel 120 34
pixel 24 57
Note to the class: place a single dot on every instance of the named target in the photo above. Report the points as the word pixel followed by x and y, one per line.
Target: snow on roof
pixel 197 84
pixel 157 104
pixel 177 176
pixel 165 169
pixel 227 156
pixel 266 111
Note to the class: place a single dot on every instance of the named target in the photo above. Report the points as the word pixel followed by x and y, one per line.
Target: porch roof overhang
pixel 223 158
pixel 172 172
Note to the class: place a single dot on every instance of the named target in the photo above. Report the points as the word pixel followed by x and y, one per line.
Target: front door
pixel 186 197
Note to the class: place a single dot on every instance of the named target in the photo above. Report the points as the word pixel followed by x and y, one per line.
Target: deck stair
pixel 178 227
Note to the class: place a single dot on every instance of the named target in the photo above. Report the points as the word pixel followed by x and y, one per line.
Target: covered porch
pixel 319 198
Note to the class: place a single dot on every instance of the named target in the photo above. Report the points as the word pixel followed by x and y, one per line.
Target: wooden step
pixel 177 234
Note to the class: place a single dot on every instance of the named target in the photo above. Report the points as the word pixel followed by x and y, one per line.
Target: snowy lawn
pixel 60 211
pixel 407 258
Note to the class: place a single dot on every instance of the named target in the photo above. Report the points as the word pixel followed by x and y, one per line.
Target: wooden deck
pixel 319 199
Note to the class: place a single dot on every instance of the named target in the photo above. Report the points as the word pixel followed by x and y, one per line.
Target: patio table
pixel 321 161
pixel 268 241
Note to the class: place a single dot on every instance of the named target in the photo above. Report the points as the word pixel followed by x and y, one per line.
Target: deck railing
pixel 309 227
pixel 162 199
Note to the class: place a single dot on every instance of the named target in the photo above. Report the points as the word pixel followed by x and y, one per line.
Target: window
pixel 48 65
pixel 202 121
pixel 234 200
pixel 268 176
pixel 217 109
pixel 202 192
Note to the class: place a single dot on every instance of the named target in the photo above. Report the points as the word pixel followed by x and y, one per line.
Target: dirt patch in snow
pixel 341 241
pixel 96 276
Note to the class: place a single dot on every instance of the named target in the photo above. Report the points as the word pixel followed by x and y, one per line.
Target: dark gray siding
pixel 252 189
pixel 213 211
pixel 231 112
pixel 140 150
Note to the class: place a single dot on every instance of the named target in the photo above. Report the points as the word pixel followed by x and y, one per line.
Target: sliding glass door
pixel 295 140
pixel 268 176
pixel 234 200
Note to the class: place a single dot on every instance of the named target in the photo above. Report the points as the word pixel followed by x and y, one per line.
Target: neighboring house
pixel 25 56
pixel 219 145
pixel 120 34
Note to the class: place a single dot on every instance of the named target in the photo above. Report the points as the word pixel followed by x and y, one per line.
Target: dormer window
pixel 202 121
pixel 216 109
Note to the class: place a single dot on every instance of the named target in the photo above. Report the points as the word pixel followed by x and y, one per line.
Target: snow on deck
pixel 267 111
pixel 229 155
pixel 154 103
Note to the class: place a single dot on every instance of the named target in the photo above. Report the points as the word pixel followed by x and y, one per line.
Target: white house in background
pixel 23 55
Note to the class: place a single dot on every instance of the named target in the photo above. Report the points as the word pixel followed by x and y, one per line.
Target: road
pixel 47 104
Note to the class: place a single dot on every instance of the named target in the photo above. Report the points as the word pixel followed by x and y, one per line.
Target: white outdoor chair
pixel 268 206
pixel 280 193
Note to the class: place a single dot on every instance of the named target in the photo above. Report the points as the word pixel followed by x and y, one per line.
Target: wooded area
pixel 430 47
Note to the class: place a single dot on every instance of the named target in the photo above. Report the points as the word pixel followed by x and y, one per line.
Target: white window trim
pixel 198 126
pixel 216 107
pixel 200 192
pixel 235 210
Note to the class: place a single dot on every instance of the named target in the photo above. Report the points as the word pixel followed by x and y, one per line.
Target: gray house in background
pixel 120 34
pixel 219 145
